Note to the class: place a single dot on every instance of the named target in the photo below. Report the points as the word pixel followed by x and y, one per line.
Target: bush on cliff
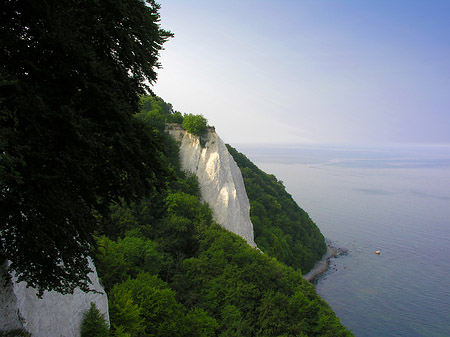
pixel 195 124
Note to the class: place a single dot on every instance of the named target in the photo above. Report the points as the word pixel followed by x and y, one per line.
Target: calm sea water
pixel 395 200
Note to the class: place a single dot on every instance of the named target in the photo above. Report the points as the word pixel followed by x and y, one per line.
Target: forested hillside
pixel 170 270
pixel 282 229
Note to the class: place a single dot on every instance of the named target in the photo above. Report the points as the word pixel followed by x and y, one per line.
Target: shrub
pixel 94 323
pixel 195 124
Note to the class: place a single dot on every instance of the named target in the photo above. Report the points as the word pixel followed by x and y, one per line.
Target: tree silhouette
pixel 71 73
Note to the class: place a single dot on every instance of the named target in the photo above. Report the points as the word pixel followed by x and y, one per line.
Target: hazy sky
pixel 314 71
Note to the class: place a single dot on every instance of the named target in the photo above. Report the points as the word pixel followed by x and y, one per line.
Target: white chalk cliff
pixel 220 179
pixel 54 315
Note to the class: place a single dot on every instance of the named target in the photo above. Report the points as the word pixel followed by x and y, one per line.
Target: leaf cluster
pixel 158 113
pixel 195 124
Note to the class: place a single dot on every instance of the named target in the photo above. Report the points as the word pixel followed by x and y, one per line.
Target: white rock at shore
pixel 321 266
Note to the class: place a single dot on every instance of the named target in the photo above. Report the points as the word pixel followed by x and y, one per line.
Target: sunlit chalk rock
pixel 220 179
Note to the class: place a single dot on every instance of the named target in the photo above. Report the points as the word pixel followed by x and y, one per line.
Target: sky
pixel 311 71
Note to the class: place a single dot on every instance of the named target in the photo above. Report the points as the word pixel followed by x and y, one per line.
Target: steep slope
pixel 220 179
pixel 282 229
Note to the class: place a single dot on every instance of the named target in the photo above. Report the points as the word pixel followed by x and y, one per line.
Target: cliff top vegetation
pixel 158 113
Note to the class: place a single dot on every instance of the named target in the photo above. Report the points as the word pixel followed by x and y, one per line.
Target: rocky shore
pixel 322 266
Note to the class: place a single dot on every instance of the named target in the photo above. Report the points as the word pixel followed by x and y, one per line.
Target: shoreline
pixel 322 266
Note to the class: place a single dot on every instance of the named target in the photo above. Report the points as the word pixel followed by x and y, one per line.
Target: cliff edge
pixel 220 179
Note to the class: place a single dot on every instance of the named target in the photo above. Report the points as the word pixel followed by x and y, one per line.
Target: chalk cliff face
pixel 53 315
pixel 220 179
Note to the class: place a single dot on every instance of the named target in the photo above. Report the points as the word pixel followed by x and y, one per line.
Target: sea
pixel 391 199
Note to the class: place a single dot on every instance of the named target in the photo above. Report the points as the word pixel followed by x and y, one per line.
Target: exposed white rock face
pixel 54 315
pixel 220 179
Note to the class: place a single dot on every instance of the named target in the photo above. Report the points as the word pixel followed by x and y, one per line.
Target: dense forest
pixel 170 270
pixel 87 169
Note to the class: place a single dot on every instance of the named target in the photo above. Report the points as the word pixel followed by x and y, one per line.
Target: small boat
pixel 377 252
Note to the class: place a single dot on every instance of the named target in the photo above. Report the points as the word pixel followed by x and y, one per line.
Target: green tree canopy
pixel 156 112
pixel 71 73
pixel 195 124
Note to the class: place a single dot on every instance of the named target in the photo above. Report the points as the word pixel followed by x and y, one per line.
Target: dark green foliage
pixel 71 73
pixel 230 280
pixel 157 113
pixel 199 323
pixel 155 104
pixel 124 314
pixel 282 229
pixel 159 312
pixel 233 323
pixel 94 323
pixel 118 261
pixel 195 124
pixel 186 214
pixel 14 333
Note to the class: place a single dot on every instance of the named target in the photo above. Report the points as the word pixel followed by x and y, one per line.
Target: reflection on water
pixel 396 201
